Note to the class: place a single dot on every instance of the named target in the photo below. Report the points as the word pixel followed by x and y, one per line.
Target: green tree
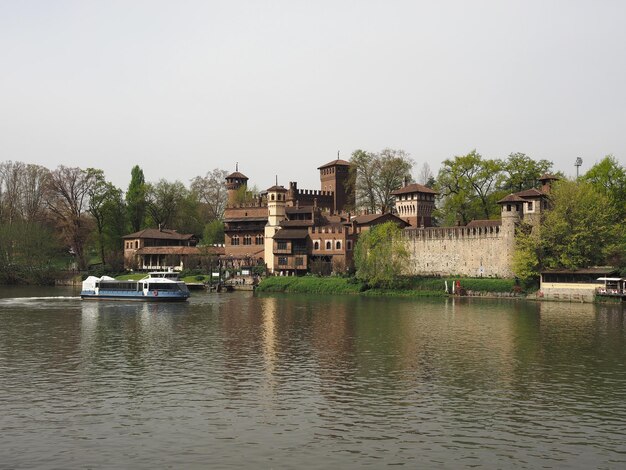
pixel 377 175
pixel 609 178
pixel 526 257
pixel 136 199
pixel 579 231
pixel 107 209
pixel 522 172
pixel 213 233
pixel 381 255
pixel 468 188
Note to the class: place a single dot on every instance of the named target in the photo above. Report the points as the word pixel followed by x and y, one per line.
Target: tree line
pixel 50 219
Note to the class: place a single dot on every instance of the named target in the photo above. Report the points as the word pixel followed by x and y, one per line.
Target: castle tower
pixel 546 181
pixel 234 181
pixel 512 211
pixel 276 203
pixel 414 203
pixel 335 177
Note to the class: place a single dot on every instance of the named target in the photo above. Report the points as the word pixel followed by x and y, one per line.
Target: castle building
pixel 482 247
pixel 293 231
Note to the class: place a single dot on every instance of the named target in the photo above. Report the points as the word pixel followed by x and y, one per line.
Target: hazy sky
pixel 182 87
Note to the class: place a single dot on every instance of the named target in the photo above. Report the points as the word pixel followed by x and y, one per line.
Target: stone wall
pixel 473 252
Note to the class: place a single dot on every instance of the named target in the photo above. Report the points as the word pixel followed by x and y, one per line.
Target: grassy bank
pixel 311 285
pixel 406 287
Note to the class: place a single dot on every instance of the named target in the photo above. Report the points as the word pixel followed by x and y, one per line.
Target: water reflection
pixel 304 381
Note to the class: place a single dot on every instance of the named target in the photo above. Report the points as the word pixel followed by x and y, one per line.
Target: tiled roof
pixel 291 234
pixel 530 193
pixel 511 198
pixel 414 188
pixel 162 234
pixel 238 175
pixel 337 162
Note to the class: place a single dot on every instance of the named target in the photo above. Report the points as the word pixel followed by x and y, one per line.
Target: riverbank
pixel 407 287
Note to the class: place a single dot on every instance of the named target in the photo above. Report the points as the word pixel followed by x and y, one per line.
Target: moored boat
pixel 155 287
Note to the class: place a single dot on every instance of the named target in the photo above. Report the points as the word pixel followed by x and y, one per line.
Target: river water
pixel 275 381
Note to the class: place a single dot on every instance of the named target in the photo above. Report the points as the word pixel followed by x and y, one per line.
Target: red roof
pixel 162 234
pixel 511 198
pixel 238 175
pixel 484 223
pixel 337 162
pixel 414 188
pixel 531 193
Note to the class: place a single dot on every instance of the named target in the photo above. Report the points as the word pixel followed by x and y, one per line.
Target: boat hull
pixel 143 298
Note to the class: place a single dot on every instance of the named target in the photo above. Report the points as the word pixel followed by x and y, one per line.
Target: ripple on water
pixel 298 382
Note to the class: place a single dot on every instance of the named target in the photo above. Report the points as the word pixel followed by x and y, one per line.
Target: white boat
pixel 160 286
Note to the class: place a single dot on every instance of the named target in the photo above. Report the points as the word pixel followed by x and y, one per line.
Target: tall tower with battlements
pixel 335 176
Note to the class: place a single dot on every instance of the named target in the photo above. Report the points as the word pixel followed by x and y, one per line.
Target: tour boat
pixel 155 287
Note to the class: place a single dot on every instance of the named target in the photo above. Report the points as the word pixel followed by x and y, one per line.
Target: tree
pixel 106 206
pixel 68 198
pixel 381 255
pixel 213 233
pixel 34 181
pixel 426 175
pixel 579 231
pixel 164 199
pixel 522 172
pixel 378 175
pixel 608 177
pixel 211 191
pixel 527 254
pixel 136 199
pixel 468 188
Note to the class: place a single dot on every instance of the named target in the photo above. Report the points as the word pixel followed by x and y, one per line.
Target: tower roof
pixel 337 162
pixel 238 175
pixel 276 189
pixel 414 188
pixel 548 176
pixel 511 198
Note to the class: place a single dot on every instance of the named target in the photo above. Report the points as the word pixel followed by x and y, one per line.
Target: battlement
pixel 313 192
pixel 450 233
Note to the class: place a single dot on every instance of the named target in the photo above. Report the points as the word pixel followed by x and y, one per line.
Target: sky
pixel 182 87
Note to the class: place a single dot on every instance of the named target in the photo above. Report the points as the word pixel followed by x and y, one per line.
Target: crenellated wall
pixel 468 251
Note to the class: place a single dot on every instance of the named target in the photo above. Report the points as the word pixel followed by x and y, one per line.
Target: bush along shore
pixel 404 287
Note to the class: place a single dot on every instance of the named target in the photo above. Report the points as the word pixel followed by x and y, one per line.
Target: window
pixel 259 240
pixel 337 245
pixel 530 206
pixel 234 240
pixel 247 240
pixel 329 245
pixel 316 245
pixel 299 261
pixel 282 261
pixel 349 244
pixel 282 245
pixel 136 244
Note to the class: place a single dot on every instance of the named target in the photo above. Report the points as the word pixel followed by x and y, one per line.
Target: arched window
pixel 329 245
pixel 337 245
pixel 316 245
pixel 247 240
pixel 235 240
pixel 259 239
pixel 349 244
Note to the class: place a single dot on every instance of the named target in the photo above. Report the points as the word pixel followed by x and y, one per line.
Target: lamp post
pixel 579 161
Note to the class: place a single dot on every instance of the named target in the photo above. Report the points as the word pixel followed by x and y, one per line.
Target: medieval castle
pixel 294 231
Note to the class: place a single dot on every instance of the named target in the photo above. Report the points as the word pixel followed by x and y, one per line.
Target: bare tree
pixel 68 199
pixel 211 191
pixel 378 175
pixel 426 174
pixel 10 180
pixel 34 181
